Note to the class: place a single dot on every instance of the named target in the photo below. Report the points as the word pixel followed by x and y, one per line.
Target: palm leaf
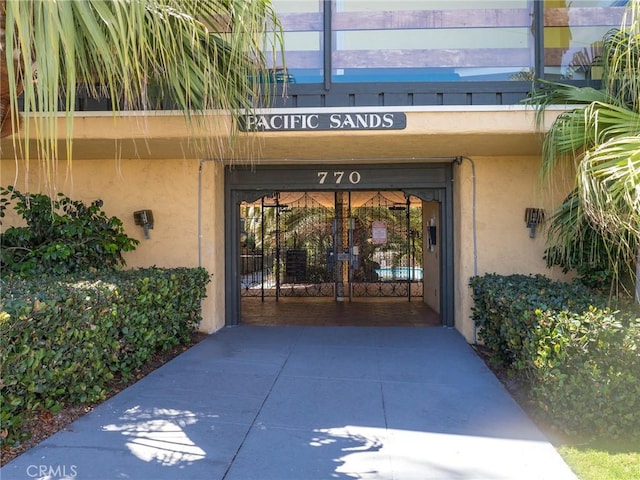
pixel 609 179
pixel 575 242
pixel 203 55
pixel 569 133
pixel 600 140
pixel 621 53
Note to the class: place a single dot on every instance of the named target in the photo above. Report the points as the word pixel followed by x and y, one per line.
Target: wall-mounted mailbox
pixel 144 218
pixel 433 235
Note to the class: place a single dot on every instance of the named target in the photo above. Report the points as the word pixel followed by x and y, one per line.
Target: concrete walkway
pixel 298 403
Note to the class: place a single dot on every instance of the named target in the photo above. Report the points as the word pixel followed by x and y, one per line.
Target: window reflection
pixel 431 41
pixel 435 41
pixel 572 33
pixel 302 22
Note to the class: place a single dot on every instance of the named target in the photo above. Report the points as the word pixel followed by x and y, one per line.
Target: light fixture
pixel 144 218
pixel 397 207
pixel 533 217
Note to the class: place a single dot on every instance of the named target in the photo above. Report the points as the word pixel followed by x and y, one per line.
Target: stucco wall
pixel 504 188
pixel 160 170
pixel 188 204
pixel 170 188
pixel 431 257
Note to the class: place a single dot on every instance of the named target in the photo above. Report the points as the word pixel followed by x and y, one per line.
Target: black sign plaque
pixel 286 122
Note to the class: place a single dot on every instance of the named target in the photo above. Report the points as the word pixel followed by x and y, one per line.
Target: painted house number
pixel 326 177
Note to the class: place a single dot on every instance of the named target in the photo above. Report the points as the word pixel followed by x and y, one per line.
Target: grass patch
pixel 603 461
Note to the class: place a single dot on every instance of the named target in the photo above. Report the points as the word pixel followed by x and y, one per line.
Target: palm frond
pixel 545 93
pixel 601 140
pixel 570 131
pixel 621 55
pixel 201 54
pixel 576 242
pixel 609 180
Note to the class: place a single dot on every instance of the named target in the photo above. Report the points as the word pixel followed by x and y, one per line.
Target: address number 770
pixel 337 177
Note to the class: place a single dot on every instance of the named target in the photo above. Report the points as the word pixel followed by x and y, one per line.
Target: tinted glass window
pixel 424 41
pixel 446 40
pixel 572 33
pixel 302 22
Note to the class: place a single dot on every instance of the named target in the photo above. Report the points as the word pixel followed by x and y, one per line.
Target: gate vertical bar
pixel 351 227
pixel 277 268
pixel 339 245
pixel 342 205
pixel 410 272
pixel 262 276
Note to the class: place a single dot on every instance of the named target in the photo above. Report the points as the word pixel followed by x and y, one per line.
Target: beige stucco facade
pixel 134 162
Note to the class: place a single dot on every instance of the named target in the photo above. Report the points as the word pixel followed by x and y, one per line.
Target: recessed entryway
pixel 358 245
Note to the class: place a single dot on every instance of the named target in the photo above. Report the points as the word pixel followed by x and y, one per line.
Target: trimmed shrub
pixel 587 372
pixel 580 360
pixel 505 308
pixel 63 339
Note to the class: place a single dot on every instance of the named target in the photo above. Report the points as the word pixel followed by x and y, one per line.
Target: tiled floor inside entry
pixel 380 312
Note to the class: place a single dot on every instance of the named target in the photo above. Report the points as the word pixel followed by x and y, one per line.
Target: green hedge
pixel 587 375
pixel 63 339
pixel 505 307
pixel 580 360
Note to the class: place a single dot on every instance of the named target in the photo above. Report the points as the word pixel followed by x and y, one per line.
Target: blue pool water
pixel 399 273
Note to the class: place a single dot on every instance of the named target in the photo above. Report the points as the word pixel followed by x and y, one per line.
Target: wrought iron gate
pixel 286 245
pixel 323 244
pixel 387 236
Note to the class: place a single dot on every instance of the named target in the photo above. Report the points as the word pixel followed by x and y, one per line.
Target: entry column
pixel 342 245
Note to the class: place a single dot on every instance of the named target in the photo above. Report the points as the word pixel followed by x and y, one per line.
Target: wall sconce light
pixel 533 217
pixel 144 218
